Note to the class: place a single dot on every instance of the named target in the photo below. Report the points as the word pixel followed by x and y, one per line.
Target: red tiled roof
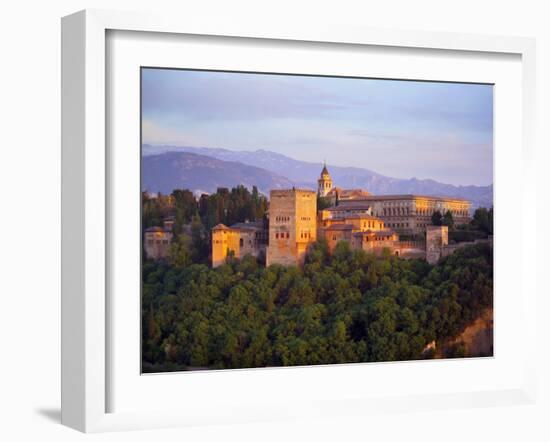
pixel 156 229
pixel 340 227
pixel 255 225
pixel 408 197
pixel 375 232
pixel 348 207
pixel 220 226
pixel 362 216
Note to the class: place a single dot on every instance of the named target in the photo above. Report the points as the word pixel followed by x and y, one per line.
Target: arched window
pixel 241 242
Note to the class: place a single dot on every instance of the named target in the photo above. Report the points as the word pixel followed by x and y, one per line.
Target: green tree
pixel 437 218
pixel 483 220
pixel 323 202
pixel 151 334
pixel 448 220
pixel 181 251
pixel 185 207
pixel 200 239
pixel 152 213
pixel 346 307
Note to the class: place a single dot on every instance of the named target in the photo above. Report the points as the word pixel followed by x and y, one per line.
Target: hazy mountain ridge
pixel 305 174
pixel 183 170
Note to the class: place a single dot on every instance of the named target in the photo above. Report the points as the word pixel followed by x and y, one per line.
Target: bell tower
pixel 324 183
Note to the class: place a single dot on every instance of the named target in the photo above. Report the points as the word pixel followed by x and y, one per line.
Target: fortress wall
pixel 451 248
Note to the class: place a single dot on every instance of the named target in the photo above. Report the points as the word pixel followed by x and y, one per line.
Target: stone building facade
pixel 357 226
pixel 292 228
pixel 337 194
pixel 376 241
pixel 331 214
pixel 249 238
pixel 373 240
pixel 368 222
pixel 292 225
pixel 437 238
pixel 157 242
pixel 411 214
pixel 406 214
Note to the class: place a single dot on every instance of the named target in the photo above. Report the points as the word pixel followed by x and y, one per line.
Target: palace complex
pixel 401 224
pixel 368 222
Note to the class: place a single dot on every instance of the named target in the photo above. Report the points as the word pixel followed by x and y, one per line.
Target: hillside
pixel 476 340
pixel 199 173
pixel 305 174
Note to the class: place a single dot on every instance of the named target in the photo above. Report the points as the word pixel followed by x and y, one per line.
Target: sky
pixel 402 129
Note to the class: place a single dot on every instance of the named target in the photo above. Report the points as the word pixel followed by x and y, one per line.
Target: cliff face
pixel 476 340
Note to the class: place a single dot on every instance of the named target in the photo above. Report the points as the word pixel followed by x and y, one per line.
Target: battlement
pixel 291 192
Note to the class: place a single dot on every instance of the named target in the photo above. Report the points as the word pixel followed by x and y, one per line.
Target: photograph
pixel 261 222
pixel 304 220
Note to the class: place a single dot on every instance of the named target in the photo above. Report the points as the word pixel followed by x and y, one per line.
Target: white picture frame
pixel 85 202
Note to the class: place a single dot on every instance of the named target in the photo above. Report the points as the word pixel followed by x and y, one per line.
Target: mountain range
pixel 203 169
pixel 204 174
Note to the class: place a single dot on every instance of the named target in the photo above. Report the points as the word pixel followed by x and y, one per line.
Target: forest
pixel 344 307
pixel 349 306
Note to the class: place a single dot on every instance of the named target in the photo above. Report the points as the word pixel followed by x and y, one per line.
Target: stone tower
pixel 224 240
pixel 324 183
pixel 292 225
pixel 437 238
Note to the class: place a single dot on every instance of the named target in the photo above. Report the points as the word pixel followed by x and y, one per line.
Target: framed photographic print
pixel 281 223
pixel 267 258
